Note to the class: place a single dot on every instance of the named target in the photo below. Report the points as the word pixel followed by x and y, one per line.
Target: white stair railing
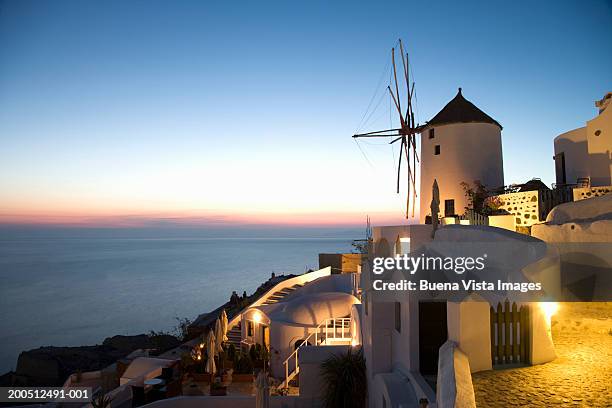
pixel 332 329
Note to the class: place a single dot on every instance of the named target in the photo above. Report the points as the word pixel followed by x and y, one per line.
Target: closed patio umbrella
pixel 210 346
pixel 435 207
pixel 219 337
pixel 262 391
pixel 225 323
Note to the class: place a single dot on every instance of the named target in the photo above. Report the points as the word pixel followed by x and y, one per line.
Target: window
pixel 404 245
pixel 437 150
pixel 449 208
pixel 249 328
pixel 398 317
pixel 432 133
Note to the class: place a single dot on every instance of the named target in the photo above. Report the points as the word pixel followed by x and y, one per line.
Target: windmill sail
pixel 406 133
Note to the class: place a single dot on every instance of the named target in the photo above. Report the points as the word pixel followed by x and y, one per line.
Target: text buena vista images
pixel 458 265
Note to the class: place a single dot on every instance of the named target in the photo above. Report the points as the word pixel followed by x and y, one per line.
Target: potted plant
pixel 227 376
pixel 217 389
pixel 229 357
pixel 259 356
pixel 244 369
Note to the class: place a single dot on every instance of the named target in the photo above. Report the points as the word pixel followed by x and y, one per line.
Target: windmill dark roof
pixel 460 110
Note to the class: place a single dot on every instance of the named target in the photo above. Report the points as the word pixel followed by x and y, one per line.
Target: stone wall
pixel 582 193
pixel 525 207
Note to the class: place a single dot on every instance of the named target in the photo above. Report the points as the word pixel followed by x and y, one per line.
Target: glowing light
pixel 549 308
pixel 201 345
pixel 256 317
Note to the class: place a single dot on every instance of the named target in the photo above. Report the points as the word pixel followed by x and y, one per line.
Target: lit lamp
pixel 257 316
pixel 549 309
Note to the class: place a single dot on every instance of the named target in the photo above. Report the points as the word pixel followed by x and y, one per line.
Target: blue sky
pixel 244 110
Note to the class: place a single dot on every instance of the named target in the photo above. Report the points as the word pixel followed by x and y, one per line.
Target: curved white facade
pixel 586 152
pixel 466 152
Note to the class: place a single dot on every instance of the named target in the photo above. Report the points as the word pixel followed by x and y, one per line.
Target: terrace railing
pixel 326 333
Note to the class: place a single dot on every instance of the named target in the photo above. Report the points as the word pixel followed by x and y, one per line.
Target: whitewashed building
pixel 402 334
pixel 583 155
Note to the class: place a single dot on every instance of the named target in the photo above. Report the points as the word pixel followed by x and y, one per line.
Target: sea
pixel 77 286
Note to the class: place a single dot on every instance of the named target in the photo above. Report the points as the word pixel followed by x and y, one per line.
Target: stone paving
pixel 580 376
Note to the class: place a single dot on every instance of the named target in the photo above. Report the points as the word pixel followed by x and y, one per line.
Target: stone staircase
pixel 234 335
pixel 280 294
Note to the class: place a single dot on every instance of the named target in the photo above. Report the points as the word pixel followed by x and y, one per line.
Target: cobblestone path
pixel 580 376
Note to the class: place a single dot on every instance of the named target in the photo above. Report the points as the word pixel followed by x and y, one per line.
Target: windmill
pixel 406 133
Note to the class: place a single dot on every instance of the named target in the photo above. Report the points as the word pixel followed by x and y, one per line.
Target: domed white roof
pixel 311 309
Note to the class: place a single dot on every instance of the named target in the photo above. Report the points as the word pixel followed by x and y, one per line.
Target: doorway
pixel 449 208
pixel 433 332
pixel 265 335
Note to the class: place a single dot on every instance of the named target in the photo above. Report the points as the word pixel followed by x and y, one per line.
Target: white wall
pixel 468 326
pixel 282 341
pixel 600 148
pixel 396 390
pixel 588 155
pixel 505 221
pixel 454 386
pixel 542 346
pixel 405 344
pixel 468 152
pixel 573 145
pixel 312 385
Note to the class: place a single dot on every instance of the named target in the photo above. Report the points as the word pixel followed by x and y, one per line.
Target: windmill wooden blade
pixel 377 133
pixel 406 77
pixel 399 106
pixel 404 61
pixel 410 93
pixel 408 181
pixel 399 163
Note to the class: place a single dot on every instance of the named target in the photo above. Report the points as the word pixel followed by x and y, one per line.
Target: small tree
pixel 345 379
pixel 476 195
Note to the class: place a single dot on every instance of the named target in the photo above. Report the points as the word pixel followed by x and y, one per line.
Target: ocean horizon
pixel 77 286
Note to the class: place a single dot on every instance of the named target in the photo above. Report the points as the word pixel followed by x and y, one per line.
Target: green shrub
pixel 231 352
pixel 243 365
pixel 345 379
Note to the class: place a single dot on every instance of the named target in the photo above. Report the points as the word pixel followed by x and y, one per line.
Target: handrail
pixel 345 326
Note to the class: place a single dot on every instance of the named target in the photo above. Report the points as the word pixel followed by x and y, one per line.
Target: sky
pixel 191 112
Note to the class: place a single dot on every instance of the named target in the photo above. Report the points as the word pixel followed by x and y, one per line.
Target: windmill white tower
pixel 459 144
